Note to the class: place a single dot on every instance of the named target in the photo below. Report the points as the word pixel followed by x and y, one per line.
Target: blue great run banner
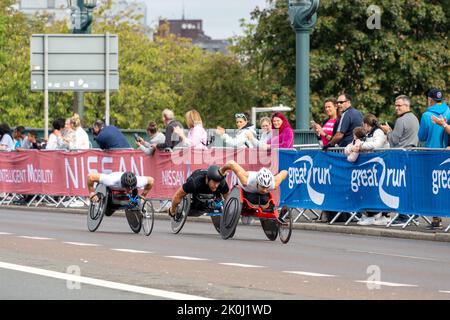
pixel 396 181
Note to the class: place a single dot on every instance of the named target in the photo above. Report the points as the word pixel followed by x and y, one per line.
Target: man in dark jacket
pixel 109 137
pixel 172 138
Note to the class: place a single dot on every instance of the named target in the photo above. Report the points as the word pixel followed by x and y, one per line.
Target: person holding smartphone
pixel 155 137
pixel 325 131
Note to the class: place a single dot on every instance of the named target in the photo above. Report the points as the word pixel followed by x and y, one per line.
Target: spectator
pixel 67 140
pixel 171 138
pixel 265 133
pixel 282 133
pixel 6 140
pixel 436 99
pixel 406 126
pixel 82 138
pixel 58 126
pixel 325 131
pixel 243 128
pixel 375 137
pixel 352 149
pixel 18 136
pixel 109 137
pixel 434 136
pixel 155 137
pixel 32 142
pixel 350 119
pixel 197 136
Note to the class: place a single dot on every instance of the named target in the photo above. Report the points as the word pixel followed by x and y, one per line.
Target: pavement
pixel 412 231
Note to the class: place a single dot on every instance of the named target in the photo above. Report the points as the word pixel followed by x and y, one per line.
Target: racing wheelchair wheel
pixel 285 229
pixel 216 222
pixel 270 227
pixel 231 213
pixel 177 222
pixel 97 209
pixel 134 218
pixel 148 217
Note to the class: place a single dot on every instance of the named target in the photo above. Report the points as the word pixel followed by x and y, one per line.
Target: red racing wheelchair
pixel 240 203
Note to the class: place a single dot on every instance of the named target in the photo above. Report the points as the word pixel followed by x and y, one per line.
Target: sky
pixel 220 17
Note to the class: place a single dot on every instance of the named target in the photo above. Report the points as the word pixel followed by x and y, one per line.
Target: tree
pixel 408 55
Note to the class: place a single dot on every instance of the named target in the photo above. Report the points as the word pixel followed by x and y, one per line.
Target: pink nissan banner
pixel 65 173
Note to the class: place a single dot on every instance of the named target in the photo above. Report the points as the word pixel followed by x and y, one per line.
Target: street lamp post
pixel 81 18
pixel 303 16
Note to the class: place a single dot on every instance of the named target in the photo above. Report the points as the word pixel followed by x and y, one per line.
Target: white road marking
pixel 101 283
pixel 241 265
pixel 131 251
pixel 310 274
pixel 5 233
pixel 186 258
pixel 442 291
pixel 394 255
pixel 82 244
pixel 35 238
pixel 388 284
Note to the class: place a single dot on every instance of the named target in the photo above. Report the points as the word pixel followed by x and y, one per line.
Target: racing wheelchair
pixel 139 212
pixel 240 203
pixel 196 205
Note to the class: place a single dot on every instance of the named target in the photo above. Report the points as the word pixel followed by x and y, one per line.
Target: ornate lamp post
pixel 81 24
pixel 303 16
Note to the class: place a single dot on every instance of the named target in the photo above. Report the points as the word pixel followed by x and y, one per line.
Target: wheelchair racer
pixel 257 185
pixel 201 182
pixel 127 182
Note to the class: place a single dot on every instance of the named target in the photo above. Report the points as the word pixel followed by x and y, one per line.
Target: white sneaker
pixel 381 221
pixel 365 221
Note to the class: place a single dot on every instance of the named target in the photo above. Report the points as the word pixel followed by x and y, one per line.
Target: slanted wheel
pixel 97 209
pixel 270 227
pixel 231 213
pixel 148 217
pixel 134 218
pixel 285 229
pixel 216 222
pixel 177 222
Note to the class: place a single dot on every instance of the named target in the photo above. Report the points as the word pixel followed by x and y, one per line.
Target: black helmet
pixel 128 180
pixel 214 174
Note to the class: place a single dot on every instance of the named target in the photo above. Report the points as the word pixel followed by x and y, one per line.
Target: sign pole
pixel 107 78
pixel 46 87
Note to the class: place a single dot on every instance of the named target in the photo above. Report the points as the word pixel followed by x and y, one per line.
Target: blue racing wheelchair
pixel 138 211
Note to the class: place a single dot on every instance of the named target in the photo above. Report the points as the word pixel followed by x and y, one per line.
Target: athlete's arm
pixel 280 177
pixel 148 186
pixel 176 199
pixel 237 169
pixel 92 178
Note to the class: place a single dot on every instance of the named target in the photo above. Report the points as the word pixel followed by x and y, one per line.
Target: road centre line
pixel 388 284
pixel 442 291
pixel 393 255
pixel 186 258
pixel 5 233
pixel 35 238
pixel 101 283
pixel 82 244
pixel 240 265
pixel 310 274
pixel 131 251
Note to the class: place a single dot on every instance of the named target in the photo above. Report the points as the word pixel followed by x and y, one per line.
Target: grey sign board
pixel 75 62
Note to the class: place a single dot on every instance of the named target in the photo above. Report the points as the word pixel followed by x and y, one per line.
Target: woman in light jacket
pixel 375 138
pixel 243 129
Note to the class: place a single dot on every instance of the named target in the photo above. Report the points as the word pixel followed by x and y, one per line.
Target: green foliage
pixel 408 55
pixel 166 72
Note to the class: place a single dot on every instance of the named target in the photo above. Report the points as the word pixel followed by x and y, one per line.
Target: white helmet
pixel 264 178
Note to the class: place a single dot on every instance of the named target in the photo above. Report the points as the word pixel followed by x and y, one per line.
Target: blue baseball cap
pixel 436 95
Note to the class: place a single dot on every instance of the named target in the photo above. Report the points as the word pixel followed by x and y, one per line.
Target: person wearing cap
pixel 434 135
pixel 241 135
pixel 209 181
